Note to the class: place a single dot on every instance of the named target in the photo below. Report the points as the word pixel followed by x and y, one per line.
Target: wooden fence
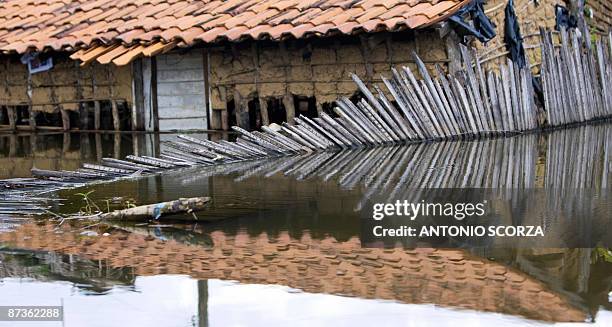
pixel 575 78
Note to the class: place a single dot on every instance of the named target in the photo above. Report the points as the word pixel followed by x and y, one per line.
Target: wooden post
pixel 31 112
pixel 365 53
pixel 223 112
pixel 97 115
pixel 224 120
pixel 114 108
pixel 85 146
pixel 116 118
pixel 32 115
pixel 65 119
pixel 82 106
pixel 263 108
pixel 12 118
pixel 214 119
pixel 453 52
pixel 289 108
pixel 117 145
pixel 241 110
pixel 84 109
pixel 207 106
pixel 99 153
pixel 138 111
pixel 65 143
pixel 203 303
pixel 154 106
pixel 12 146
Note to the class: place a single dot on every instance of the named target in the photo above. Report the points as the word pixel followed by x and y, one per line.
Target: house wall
pixel 52 99
pixel 65 83
pixel 530 16
pixel 600 17
pixel 318 68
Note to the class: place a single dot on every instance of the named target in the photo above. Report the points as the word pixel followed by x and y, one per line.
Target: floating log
pixel 158 210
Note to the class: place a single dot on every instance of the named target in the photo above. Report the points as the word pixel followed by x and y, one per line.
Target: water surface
pixel 285 231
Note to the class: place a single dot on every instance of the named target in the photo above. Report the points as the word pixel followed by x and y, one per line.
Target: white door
pixel 181 99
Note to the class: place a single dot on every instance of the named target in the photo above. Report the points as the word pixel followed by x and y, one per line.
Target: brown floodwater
pixel 280 242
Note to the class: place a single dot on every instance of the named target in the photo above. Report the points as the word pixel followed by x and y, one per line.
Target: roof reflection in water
pixel 452 278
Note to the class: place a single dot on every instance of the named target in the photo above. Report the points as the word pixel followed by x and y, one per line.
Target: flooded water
pixel 280 243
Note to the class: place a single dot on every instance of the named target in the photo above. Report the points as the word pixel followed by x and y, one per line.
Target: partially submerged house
pixel 176 65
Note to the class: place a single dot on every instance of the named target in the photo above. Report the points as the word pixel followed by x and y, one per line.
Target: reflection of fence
pixel 575 158
pixel 579 158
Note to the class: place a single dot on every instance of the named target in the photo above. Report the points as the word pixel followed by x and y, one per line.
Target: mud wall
pixel 318 68
pixel 65 84
pixel 531 16
pixel 599 15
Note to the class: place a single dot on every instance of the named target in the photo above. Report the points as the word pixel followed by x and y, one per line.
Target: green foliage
pixel 90 207
pixel 602 254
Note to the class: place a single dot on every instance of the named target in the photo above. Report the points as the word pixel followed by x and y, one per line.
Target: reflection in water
pixel 452 278
pixel 296 225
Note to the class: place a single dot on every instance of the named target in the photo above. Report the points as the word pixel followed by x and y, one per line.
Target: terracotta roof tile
pixel 299 31
pixel 64 24
pixel 347 27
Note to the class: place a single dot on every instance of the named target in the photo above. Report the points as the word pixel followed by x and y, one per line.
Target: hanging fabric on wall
pixel 512 36
pixel 36 63
pixel 564 19
pixel 482 28
pixel 514 45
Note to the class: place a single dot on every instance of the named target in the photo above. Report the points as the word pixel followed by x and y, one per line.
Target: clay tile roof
pixel 67 25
